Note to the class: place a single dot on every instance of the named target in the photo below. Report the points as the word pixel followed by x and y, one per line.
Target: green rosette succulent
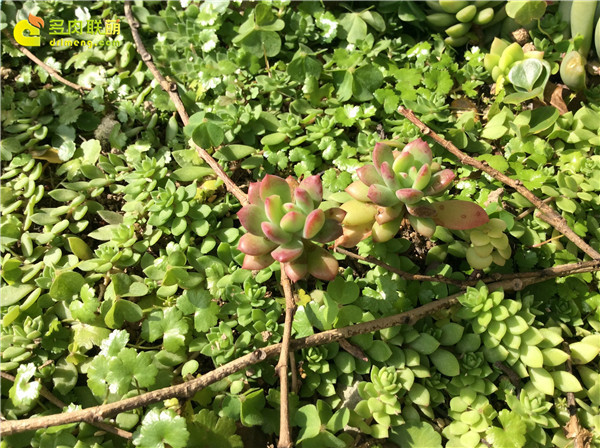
pixel 284 221
pixel 397 185
pixel 489 244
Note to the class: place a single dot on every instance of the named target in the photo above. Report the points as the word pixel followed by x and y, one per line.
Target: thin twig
pixel 189 388
pixel 548 214
pixel 52 72
pixel 353 350
pixel 531 209
pixel 44 392
pixel 403 274
pixel 285 440
pixel 171 89
pixel 294 370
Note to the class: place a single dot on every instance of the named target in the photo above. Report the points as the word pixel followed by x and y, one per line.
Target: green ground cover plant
pixel 400 200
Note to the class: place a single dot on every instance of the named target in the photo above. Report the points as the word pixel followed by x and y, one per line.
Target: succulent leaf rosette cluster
pixel 284 221
pixel 397 185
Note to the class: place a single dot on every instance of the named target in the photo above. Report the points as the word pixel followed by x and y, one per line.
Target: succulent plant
pixel 489 244
pixel 460 19
pixel 397 184
pixel 526 72
pixel 283 220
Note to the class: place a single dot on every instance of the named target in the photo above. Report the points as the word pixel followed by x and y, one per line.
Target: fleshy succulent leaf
pixel 297 269
pixel 420 150
pixel 314 187
pixel 382 153
pixel 358 190
pixel 254 193
pixel 388 176
pixel 303 200
pixel 358 213
pixel 409 195
pixel 331 230
pixel 275 185
pixel 382 195
pixel 423 177
pixel 439 182
pixel 275 233
pixel 403 162
pixel 314 223
pixel 258 262
pixel 293 221
pixel 255 245
pixel 293 183
pixel 422 210
pixel 321 264
pixel 251 216
pixel 335 213
pixel 424 226
pixel 387 214
pixel 274 208
pixel 369 175
pixel 354 234
pixel 459 215
pixel 387 231
pixel 288 252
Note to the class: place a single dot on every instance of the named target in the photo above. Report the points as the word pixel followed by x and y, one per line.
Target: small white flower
pixel 207 46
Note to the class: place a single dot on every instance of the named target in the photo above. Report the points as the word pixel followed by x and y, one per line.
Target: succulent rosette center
pixel 396 185
pixel 284 221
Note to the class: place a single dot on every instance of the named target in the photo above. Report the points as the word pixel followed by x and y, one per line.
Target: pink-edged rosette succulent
pixel 397 185
pixel 284 221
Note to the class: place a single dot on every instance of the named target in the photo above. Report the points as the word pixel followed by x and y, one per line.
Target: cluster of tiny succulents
pixel 403 184
pixel 489 244
pixel 284 221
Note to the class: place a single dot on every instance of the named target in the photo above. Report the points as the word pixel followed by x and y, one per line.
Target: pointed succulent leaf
pixel 358 213
pixel 293 221
pixel 275 233
pixel 251 216
pixel 424 226
pixel 335 213
pixel 459 215
pixel 354 234
pixel 422 210
pixel 405 181
pixel 257 262
pixel 403 162
pixel 423 178
pixel 297 269
pixel 288 252
pixel 275 185
pixel 314 187
pixel 331 230
pixel 387 214
pixel 420 150
pixel 358 190
pixel 274 208
pixel 303 200
pixel 255 245
pixel 439 182
pixel 409 195
pixel 321 264
pixel 387 231
pixel 254 193
pixel 369 175
pixel 290 206
pixel 314 223
pixel 389 177
pixel 382 195
pixel 382 153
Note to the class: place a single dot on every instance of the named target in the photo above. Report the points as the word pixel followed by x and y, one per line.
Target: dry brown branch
pixel 44 392
pixel 547 213
pixel 45 66
pixel 189 388
pixel 171 89
pixel 285 440
pixel 353 350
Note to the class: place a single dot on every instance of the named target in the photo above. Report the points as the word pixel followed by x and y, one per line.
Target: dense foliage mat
pixel 452 147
